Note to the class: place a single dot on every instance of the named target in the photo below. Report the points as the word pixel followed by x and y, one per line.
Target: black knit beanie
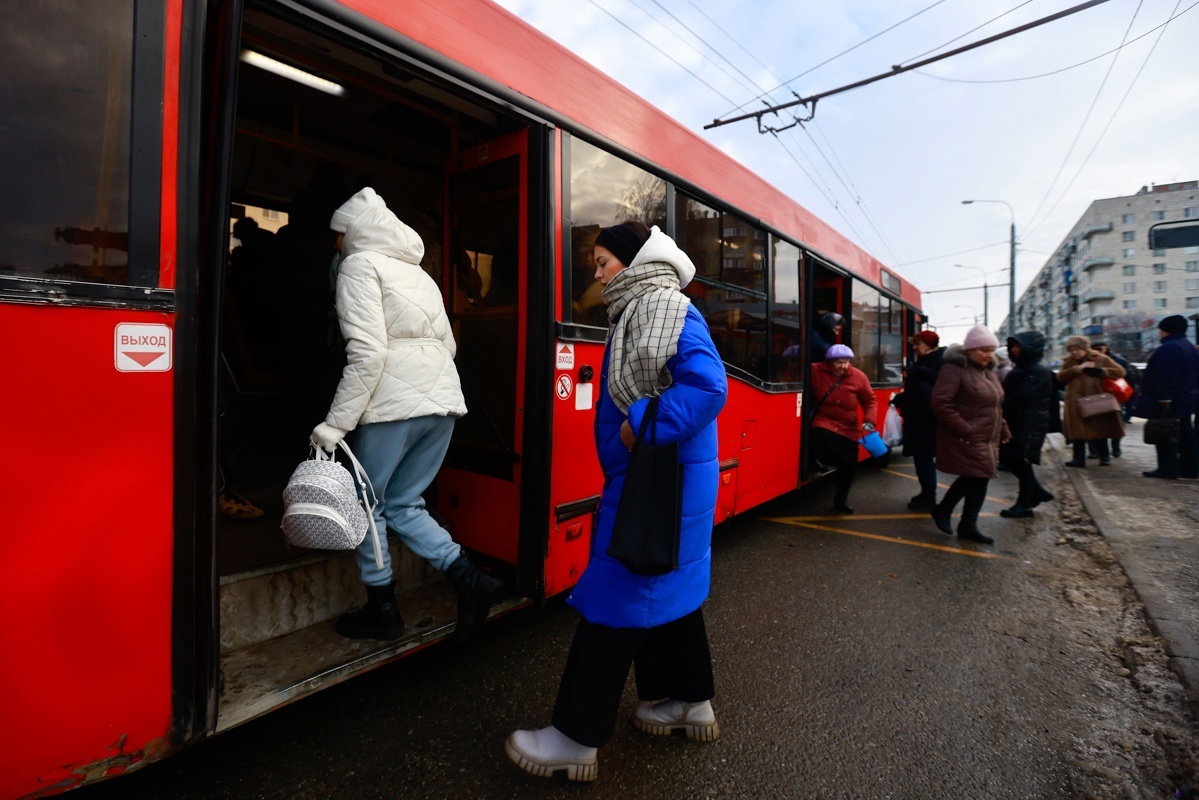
pixel 1175 323
pixel 624 241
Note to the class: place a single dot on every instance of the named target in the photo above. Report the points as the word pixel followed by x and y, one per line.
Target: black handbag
pixel 1163 430
pixel 645 536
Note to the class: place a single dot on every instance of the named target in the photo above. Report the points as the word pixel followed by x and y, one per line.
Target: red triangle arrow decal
pixel 143 357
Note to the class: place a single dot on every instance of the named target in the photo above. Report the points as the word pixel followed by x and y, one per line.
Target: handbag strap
pixel 651 415
pixel 831 389
pixel 364 482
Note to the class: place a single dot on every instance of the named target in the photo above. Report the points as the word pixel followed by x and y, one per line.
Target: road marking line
pixel 940 485
pixel 867 517
pixel 943 548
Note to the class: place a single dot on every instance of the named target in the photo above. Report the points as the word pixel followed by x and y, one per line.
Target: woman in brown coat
pixel 1082 373
pixel 968 403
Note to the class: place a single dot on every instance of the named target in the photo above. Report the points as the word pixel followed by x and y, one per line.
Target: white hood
pixel 379 230
pixel 660 247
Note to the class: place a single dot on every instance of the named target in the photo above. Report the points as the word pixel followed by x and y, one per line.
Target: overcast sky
pixel 889 164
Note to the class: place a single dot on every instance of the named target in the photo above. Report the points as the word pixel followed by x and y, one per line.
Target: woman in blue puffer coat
pixel 659 346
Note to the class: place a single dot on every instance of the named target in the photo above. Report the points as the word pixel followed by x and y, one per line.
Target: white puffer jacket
pixel 399 345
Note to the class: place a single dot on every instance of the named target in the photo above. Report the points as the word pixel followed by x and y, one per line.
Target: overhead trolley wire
pixel 967 33
pixel 1112 119
pixel 898 70
pixel 844 52
pixel 1063 69
pixel 1029 227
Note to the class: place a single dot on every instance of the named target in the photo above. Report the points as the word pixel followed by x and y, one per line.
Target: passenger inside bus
pixel 825 333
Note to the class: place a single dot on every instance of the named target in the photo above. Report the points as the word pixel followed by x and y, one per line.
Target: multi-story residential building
pixel 1103 280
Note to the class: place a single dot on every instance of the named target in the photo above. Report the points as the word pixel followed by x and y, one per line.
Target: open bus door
pixel 830 291
pixel 486 236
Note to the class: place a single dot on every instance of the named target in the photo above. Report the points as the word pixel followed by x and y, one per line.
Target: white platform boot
pixel 544 752
pixel 664 717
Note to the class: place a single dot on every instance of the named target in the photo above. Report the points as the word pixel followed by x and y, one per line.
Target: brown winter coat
pixel 1102 426
pixel 968 404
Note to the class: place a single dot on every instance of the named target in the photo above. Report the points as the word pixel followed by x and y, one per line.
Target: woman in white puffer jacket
pixel 400 392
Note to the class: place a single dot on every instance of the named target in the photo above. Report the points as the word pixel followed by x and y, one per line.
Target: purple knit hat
pixel 838 351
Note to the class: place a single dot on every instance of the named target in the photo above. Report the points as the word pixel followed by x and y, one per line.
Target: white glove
pixel 326 436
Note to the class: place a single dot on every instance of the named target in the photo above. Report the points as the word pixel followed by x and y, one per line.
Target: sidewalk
pixel 1153 528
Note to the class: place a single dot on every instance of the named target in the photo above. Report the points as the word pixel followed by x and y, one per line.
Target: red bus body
pixel 111 597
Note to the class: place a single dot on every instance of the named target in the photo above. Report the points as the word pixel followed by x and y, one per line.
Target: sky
pixel 889 164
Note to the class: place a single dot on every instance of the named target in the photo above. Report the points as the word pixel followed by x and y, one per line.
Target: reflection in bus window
pixel 604 191
pixel 64 211
pixel 738 324
pixel 890 341
pixel 723 247
pixel 865 326
pixel 786 333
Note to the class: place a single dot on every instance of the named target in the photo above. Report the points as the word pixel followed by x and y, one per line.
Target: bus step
pixel 270 673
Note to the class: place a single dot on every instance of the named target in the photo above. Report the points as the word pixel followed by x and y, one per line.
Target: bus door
pixel 829 294
pixel 486 196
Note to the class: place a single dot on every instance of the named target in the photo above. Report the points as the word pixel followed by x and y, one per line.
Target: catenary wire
pixel 660 50
pixel 1063 69
pixel 967 33
pixel 1106 127
pixel 844 52
pixel 1029 227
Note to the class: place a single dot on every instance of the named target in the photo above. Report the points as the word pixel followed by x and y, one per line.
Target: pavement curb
pixel 1180 644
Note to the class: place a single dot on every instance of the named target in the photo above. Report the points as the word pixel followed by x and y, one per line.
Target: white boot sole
pixel 575 770
pixel 703 732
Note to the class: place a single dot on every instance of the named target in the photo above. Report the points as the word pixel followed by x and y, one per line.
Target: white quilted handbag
pixel 321 508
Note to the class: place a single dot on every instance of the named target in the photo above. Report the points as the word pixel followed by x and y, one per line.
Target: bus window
pixel 864 321
pixel 890 341
pixel 66 100
pixel 603 191
pixel 786 334
pixel 738 324
pixel 723 247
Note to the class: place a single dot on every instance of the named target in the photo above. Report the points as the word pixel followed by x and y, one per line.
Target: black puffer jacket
pixel 915 404
pixel 1028 394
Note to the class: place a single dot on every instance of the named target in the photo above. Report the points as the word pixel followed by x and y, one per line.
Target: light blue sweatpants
pixel 401 459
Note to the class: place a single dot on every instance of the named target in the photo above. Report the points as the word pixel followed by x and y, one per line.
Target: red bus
pixel 164 242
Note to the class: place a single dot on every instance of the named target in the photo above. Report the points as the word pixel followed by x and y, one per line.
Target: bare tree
pixel 644 201
pixel 1123 333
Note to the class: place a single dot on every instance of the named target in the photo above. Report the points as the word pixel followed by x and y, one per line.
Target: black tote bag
pixel 645 537
pixel 1164 429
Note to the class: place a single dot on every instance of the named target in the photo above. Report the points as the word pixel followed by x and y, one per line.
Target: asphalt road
pixel 856 657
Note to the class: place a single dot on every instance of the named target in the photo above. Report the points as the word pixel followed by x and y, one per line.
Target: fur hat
pixel 930 338
pixel 979 336
pixel 1078 341
pixel 838 351
pixel 1176 323
pixel 352 208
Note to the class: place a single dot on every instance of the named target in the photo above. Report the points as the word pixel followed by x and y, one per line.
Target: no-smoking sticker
pixel 563 387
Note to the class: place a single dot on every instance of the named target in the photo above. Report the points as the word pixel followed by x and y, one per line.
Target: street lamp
pixel 1011 311
pixel 973 311
pixel 986 294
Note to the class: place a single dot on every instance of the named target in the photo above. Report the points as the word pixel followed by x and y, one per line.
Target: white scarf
pixel 647 308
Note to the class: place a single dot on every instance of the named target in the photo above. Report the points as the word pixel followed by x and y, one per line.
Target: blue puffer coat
pixel 607 593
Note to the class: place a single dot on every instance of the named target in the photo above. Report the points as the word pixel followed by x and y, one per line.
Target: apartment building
pixel 1103 280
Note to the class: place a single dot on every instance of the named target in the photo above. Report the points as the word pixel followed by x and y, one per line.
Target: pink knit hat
pixel 979 336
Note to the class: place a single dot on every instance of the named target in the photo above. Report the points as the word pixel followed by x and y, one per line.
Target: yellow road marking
pixel 795 521
pixel 940 485
pixel 867 517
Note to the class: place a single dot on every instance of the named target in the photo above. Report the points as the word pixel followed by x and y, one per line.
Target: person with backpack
pixel 400 394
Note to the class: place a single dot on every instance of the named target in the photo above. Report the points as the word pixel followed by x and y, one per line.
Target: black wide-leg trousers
pixel 672 662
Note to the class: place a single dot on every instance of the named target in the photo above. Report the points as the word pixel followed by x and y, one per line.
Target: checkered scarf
pixel 647 309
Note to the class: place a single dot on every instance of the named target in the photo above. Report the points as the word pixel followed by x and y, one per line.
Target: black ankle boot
pixel 378 619
pixel 968 530
pixel 1040 496
pixel 943 519
pixel 475 590
pixel 1019 511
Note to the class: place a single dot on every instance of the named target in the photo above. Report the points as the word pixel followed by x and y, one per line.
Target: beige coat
pixel 1078 384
